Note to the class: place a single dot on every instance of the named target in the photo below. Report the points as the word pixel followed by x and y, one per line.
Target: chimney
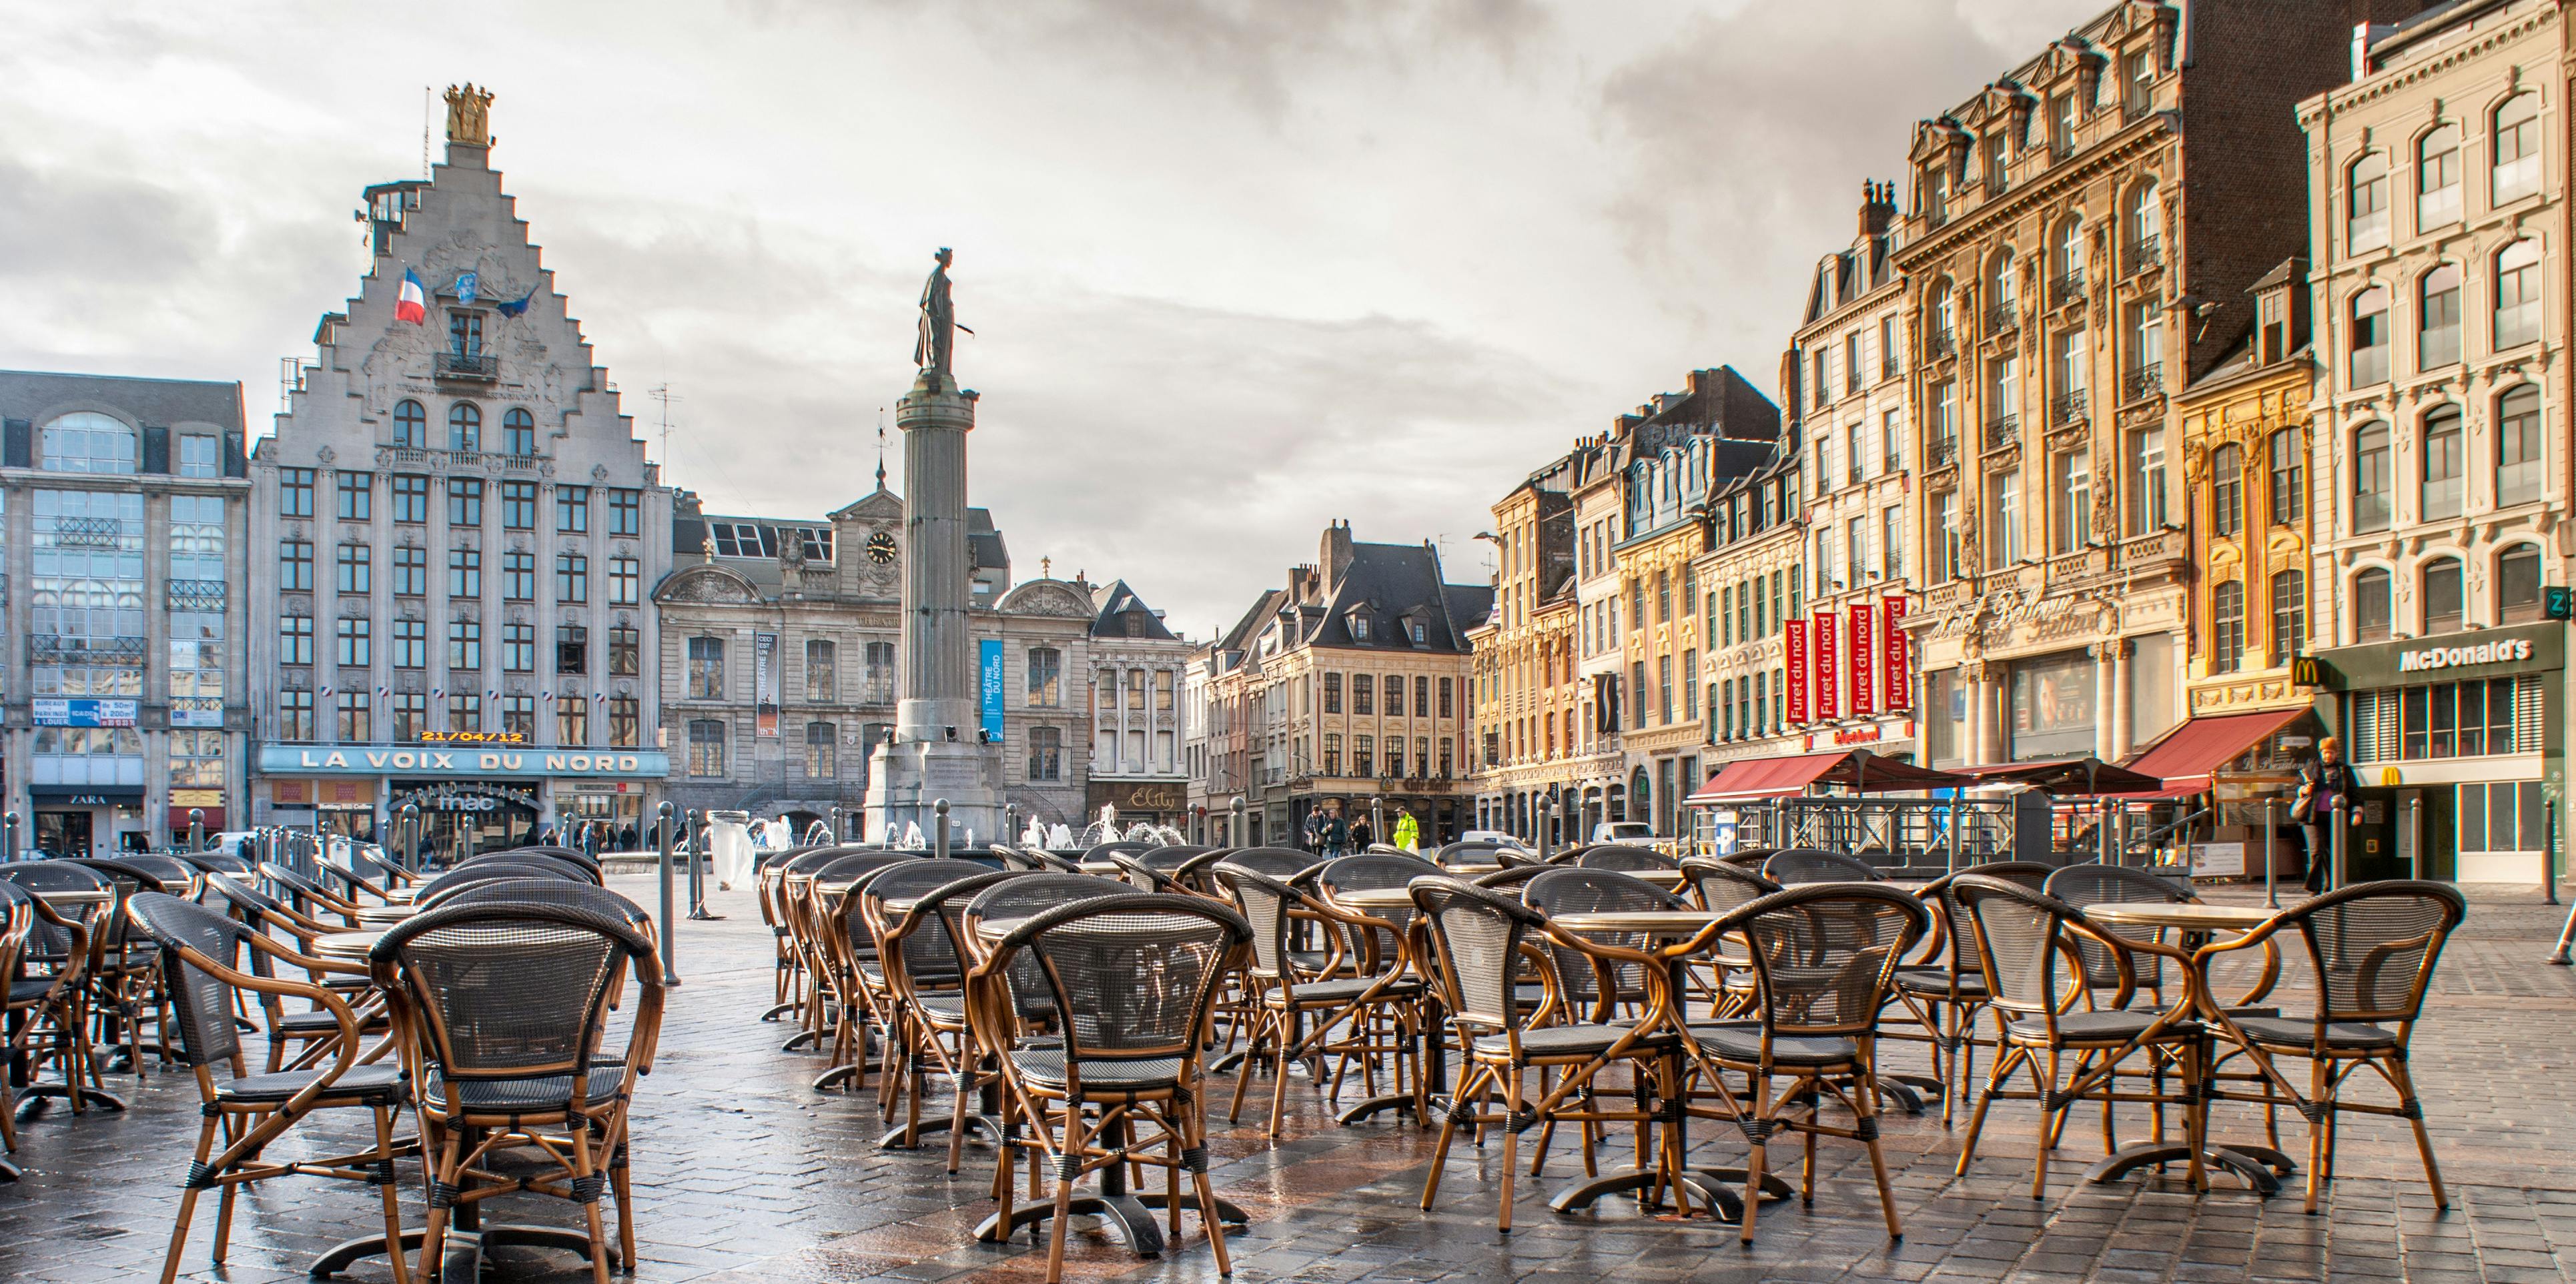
pixel 1877 208
pixel 1336 555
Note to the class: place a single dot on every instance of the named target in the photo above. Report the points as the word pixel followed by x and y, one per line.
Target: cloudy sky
pixel 1236 267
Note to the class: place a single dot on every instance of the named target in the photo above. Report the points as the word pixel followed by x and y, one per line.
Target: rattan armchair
pixel 866 917
pixel 49 997
pixel 925 969
pixel 1294 1015
pixel 1943 992
pixel 1814 865
pixel 17 921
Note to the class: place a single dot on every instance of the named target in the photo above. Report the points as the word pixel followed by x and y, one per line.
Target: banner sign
pixel 1900 654
pixel 1795 644
pixel 764 685
pixel 1828 683
pixel 1864 661
pixel 989 670
pixel 466 763
pixel 56 711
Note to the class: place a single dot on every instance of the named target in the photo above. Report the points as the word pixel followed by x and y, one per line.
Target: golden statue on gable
pixel 469 115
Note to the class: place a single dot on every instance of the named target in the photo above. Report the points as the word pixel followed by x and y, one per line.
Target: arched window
pixel 2518 448
pixel 88 442
pixel 2366 203
pixel 2144 226
pixel 2518 584
pixel 411 424
pixel 2517 294
pixel 2227 627
pixel 2445 598
pixel 2372 501
pixel 519 432
pixel 2370 605
pixel 2227 497
pixel 2444 460
pixel 2069 253
pixel 2369 337
pixel 2289 477
pixel 2517 149
pixel 464 426
pixel 2437 178
pixel 2437 319
pixel 2289 615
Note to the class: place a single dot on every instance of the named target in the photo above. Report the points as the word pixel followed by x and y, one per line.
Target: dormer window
pixel 1359 628
pixel 1418 633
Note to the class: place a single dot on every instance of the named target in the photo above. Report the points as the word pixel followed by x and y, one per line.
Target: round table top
pixel 1680 922
pixel 2182 915
pixel 387 914
pixel 72 896
pixel 346 945
pixel 1376 898
pixel 994 929
pixel 1102 867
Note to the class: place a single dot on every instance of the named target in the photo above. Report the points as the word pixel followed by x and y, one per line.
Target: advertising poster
pixel 76 711
pixel 1900 654
pixel 1828 684
pixel 764 684
pixel 1795 644
pixel 988 669
pixel 1864 661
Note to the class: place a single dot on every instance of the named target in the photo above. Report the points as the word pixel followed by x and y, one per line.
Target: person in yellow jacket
pixel 1408 833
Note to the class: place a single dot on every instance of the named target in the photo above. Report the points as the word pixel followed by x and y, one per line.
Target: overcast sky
pixel 1236 267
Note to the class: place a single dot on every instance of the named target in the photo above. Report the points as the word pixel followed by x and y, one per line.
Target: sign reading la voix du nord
pixel 377 760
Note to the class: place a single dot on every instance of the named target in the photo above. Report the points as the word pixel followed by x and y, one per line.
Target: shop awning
pixel 1782 777
pixel 2187 755
pixel 2087 776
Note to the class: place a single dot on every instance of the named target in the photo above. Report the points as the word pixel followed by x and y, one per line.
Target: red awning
pixel 2078 777
pixel 2187 755
pixel 1783 777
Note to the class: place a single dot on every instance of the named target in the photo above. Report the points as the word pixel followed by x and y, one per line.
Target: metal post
pixel 196 829
pixel 1546 837
pixel 2271 828
pixel 1010 822
pixel 2337 822
pixel 412 821
pixel 697 869
pixel 1235 823
pixel 670 972
pixel 2415 832
pixel 2549 849
pixel 12 840
pixel 1377 820
pixel 939 843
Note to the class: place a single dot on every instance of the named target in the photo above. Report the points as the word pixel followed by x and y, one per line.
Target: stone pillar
pixel 938 647
pixel 1972 681
pixel 2120 710
pixel 2106 686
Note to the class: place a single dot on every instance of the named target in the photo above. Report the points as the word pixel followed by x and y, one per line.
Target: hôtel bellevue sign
pixel 376 760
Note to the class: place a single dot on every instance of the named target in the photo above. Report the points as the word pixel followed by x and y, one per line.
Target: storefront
pixel 474 796
pixel 88 820
pixel 2051 709
pixel 2460 740
pixel 1152 802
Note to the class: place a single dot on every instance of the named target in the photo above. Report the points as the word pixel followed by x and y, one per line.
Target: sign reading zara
pixel 377 760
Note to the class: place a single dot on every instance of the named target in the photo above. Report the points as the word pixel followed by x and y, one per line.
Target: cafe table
pixel 2260 1166
pixel 385 915
pixel 347 946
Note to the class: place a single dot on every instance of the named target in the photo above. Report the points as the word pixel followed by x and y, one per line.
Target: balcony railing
pixel 1888 367
pixel 2143 382
pixel 469 365
pixel 1945 451
pixel 1939 343
pixel 2149 252
pixel 2068 406
pixel 2002 431
pixel 2067 288
pixel 2143 552
pixel 196 595
pixel 2002 317
pixel 88 532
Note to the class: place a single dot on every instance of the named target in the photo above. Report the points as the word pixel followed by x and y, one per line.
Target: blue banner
pixel 991 668
pixel 49 711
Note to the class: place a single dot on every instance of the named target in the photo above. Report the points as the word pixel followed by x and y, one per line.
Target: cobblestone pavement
pixel 744 1173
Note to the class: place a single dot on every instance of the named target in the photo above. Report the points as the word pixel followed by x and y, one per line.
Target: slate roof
pixel 1115 605
pixel 160 403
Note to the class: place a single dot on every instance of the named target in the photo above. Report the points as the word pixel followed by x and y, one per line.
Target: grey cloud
pixel 91 228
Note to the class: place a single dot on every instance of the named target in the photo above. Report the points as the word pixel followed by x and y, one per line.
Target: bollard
pixel 12 840
pixel 410 829
pixel 2549 849
pixel 196 829
pixel 2335 823
pixel 939 844
pixel 2271 828
pixel 1010 822
pixel 697 869
pixel 670 968
pixel 1236 824
pixel 2415 833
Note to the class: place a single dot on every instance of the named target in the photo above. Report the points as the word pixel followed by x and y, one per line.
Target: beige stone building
pixel 1526 703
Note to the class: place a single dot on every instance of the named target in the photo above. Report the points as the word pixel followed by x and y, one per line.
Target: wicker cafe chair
pixel 529 858
pixel 817 1001
pixel 1197 873
pixel 1621 857
pixel 1593 988
pixel 560 891
pixel 1162 865
pixel 926 968
pixel 501 1011
pixel 1814 865
pixel 1038 860
pixel 48 1000
pixel 1943 991
pixel 865 916
pixel 787 975
pixel 1720 888
pixel 1823 957
pixel 125 974
pixel 202 954
pixel 312 1028
pixel 1483 943
pixel 2028 947
pixel 1374 1004
pixel 568 855
pixel 1138 975
pixel 2373 947
pixel 17 921
pixel 309 898
pixel 1748 858
pixel 845 957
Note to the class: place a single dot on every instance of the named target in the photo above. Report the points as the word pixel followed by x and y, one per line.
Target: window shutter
pixel 236 463
pixel 156 449
pixel 2526 715
pixel 14 435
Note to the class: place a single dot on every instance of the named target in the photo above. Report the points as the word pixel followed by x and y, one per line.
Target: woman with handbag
pixel 2327 792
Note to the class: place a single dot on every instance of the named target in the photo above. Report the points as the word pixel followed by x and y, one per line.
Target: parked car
pixel 1490 836
pixel 1623 831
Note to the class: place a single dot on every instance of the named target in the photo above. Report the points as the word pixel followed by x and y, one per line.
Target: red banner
pixel 1828 685
pixel 1864 661
pixel 1900 655
pixel 1795 644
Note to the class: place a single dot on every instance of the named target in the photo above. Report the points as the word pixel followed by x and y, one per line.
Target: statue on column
pixel 931 350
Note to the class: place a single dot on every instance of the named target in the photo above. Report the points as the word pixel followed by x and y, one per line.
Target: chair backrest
pixel 1264 903
pixel 463 876
pixel 1824 954
pixel 1480 852
pixel 532 858
pixel 46 942
pixel 1510 878
pixel 1122 847
pixel 1194 873
pixel 1561 890
pixel 154 873
pixel 574 854
pixel 1960 932
pixel 309 898
pixel 1135 975
pixel 1748 857
pixel 2098 884
pixel 203 1000
pixel 1476 937
pixel 1722 887
pixel 1026 897
pixel 930 955
pixel 217 862
pixel 1814 865
pixel 510 990
pixel 2374 946
pixel 1278 862
pixel 2021 934
pixel 553 891
pixel 17 923
pixel 1620 856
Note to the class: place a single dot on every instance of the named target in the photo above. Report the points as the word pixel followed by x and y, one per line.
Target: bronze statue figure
pixel 931 350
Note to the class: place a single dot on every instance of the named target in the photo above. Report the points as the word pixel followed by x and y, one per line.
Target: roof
pixel 1119 613
pixel 1385 584
pixel 2186 756
pixel 984 547
pixel 1781 777
pixel 31 394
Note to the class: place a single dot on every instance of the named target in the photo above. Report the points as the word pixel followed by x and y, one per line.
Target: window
pixel 1363 694
pixel 2003 398
pixel 572 721
pixel 2144 224
pixel 1945 420
pixel 355 566
pixel 2289 477
pixel 465 646
pixel 2069 255
pixel 2443 464
pixel 2289 615
pixel 356 723
pixel 2371 614
pixel 1995 157
pixel 464 712
pixel 198 456
pixel 1939 330
pixel 519 432
pixel 2002 290
pixel 625 581
pixel 295 715
pixel 2146 349
pixel 1421 694
pixel 572 649
pixel 2445 599
pixel 518 577
pixel 822 671
pixel 1447 701
pixel 2071 483
pixel 2437 178
pixel 411 644
pixel 1855 550
pixel 2061 123
pixel 1363 755
pixel 1891 543
pixel 2137 79
pixel 2371 502
pixel 1637 684
pixel 518 648
pixel 2003 519
pixel 465 503
pixel 2369 339
pixel 411 424
pixel 1889 345
pixel 353 643
pixel 2069 372
pixel 411 571
pixel 625 653
pixel 2516 150
pixel 1395 756
pixel 1663 597
pixel 1821 383
pixel 572 509
pixel 1690 686
pixel 2146 481
pixel 2517 295
pixel 1936 192
pixel 519 505
pixel 2366 204
pixel 1945 535
pixel 2437 335
pixel 706 668
pixel 465 333
pixel 465 426
pixel 357 496
pixel 1726 616
pixel 1664 689
pixel 411 716
pixel 2518 584
pixel 1851 362
pixel 464 572
pixel 2227 627
pixel 295 492
pixel 1891 441
pixel 706 747
pixel 2518 448
pixel 2227 493
pixel 820 739
pixel 295 566
pixel 625 722
pixel 295 639
pixel 625 511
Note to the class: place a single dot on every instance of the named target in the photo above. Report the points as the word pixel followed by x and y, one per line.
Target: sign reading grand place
pixel 376 760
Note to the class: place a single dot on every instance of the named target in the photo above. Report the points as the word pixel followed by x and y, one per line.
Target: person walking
pixel 1408 831
pixel 1361 834
pixel 1337 836
pixel 1312 832
pixel 2327 792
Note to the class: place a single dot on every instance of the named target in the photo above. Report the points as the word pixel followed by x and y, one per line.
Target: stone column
pixel 2120 710
pixel 1972 682
pixel 2106 687
pixel 938 646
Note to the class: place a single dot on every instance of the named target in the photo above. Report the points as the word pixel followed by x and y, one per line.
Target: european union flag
pixel 514 309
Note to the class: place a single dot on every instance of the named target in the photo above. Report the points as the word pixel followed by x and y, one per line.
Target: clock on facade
pixel 881 548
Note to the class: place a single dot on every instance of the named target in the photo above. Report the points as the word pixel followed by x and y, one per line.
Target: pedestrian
pixel 1337 835
pixel 2327 791
pixel 1312 836
pixel 1408 831
pixel 1361 834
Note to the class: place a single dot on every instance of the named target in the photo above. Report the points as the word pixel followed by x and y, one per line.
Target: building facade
pixel 1752 600
pixel 1598 769
pixel 457 529
pixel 1139 674
pixel 1525 704
pixel 123 510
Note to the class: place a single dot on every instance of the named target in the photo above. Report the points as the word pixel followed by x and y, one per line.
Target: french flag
pixel 413 304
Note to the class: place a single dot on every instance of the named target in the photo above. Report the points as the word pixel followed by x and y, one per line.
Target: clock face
pixel 881 548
